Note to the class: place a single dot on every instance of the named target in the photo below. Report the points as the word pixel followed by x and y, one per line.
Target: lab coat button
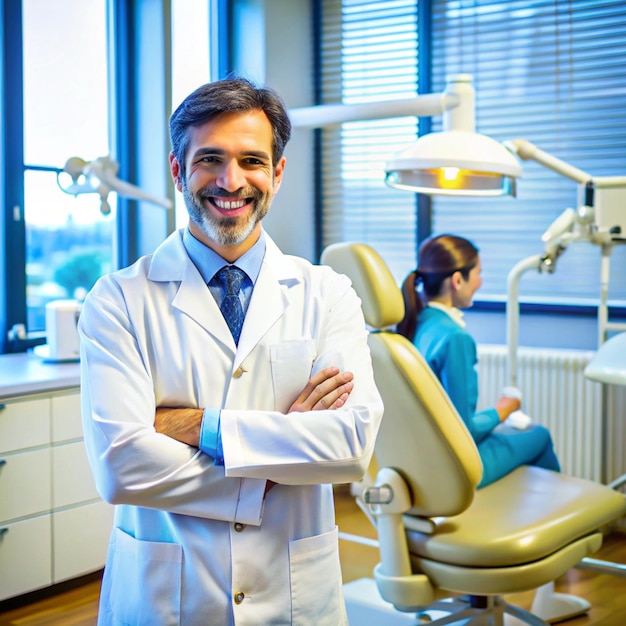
pixel 238 372
pixel 239 526
pixel 239 596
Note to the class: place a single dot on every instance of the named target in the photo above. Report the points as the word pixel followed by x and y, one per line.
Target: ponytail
pixel 413 304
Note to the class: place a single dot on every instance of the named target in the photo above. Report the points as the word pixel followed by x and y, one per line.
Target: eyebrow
pixel 261 154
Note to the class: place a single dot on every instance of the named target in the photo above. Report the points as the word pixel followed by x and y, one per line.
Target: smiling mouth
pixel 225 204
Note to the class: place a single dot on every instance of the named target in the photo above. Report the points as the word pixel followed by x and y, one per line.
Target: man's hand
pixel 328 389
pixel 180 424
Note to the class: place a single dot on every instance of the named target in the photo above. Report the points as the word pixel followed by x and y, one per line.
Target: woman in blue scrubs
pixel 446 278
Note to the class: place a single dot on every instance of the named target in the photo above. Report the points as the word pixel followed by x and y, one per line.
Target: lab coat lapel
pixel 267 305
pixel 171 263
pixel 195 300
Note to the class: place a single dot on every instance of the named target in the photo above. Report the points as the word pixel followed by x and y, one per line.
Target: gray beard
pixel 226 231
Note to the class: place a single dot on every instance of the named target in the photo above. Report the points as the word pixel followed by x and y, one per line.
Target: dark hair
pixel 439 257
pixel 228 95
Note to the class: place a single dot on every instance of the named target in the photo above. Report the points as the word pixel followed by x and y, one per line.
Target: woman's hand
pixel 506 405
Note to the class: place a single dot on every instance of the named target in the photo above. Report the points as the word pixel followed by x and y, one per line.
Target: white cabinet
pixel 77 553
pixel 53 524
pixel 25 556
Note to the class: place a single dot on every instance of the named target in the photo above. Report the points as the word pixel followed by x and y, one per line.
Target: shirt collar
pixel 455 314
pixel 209 262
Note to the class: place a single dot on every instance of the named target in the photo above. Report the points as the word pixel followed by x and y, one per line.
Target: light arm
pixel 330 114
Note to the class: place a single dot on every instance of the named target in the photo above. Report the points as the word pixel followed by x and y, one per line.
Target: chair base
pixel 365 607
pixel 556 607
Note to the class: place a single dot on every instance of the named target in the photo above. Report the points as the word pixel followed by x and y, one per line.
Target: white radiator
pixel 587 420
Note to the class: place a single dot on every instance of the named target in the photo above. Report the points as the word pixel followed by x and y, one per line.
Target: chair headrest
pixel 381 298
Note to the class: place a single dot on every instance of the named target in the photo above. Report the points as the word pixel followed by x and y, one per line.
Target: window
pixel 368 53
pixel 78 86
pixel 549 71
pixel 69 242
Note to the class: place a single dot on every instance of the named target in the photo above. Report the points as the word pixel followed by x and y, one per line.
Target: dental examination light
pixel 100 176
pixel 457 161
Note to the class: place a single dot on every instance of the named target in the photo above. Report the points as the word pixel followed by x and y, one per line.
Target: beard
pixel 225 231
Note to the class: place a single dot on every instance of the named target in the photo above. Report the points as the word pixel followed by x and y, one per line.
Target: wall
pixel 535 329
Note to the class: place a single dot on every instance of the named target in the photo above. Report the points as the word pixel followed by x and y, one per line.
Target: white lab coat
pixel 189 536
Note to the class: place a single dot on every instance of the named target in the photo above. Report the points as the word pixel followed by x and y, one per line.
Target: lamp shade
pixel 454 162
pixel 457 161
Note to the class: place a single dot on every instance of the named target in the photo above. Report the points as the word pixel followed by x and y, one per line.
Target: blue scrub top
pixel 451 353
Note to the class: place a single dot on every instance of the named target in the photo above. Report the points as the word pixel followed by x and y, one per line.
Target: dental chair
pixel 437 533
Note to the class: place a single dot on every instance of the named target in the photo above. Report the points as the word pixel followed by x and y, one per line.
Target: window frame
pixel 12 308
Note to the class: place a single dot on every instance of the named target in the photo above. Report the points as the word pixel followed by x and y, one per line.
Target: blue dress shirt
pixel 208 263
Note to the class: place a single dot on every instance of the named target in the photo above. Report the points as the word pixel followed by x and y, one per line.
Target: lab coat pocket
pixel 316 591
pixel 291 369
pixel 145 581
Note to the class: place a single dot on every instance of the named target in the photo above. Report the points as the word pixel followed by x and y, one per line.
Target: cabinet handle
pixel 3 532
pixel 2 462
pixel 2 407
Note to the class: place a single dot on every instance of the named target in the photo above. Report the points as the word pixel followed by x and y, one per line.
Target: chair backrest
pixel 421 434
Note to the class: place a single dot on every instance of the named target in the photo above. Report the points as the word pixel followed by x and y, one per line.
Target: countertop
pixel 26 373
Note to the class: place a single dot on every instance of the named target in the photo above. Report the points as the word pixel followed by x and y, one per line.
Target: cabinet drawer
pixel 25 556
pixel 81 538
pixel 66 422
pixel 25 484
pixel 24 424
pixel 72 481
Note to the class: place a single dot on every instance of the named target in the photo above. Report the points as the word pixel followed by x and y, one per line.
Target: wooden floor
pixel 606 593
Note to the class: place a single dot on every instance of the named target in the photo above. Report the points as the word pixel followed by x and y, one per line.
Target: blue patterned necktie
pixel 230 279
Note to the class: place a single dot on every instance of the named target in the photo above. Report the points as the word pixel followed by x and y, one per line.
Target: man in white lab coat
pixel 221 456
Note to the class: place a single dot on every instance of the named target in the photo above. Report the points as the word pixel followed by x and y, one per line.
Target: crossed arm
pixel 327 389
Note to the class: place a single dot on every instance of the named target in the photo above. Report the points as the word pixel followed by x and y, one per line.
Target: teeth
pixel 229 205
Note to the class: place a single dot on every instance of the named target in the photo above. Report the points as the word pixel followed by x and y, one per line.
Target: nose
pixel 231 176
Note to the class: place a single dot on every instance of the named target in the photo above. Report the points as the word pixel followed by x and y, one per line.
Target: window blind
pixel 368 53
pixel 551 72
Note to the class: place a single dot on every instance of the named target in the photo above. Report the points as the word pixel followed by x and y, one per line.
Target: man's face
pixel 230 180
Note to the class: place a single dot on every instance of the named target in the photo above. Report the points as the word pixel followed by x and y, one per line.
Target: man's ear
pixel 278 174
pixel 175 169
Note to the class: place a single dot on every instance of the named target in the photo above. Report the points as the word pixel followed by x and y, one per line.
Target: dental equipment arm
pixel 100 176
pixel 600 219
pixel 529 151
pixel 601 199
